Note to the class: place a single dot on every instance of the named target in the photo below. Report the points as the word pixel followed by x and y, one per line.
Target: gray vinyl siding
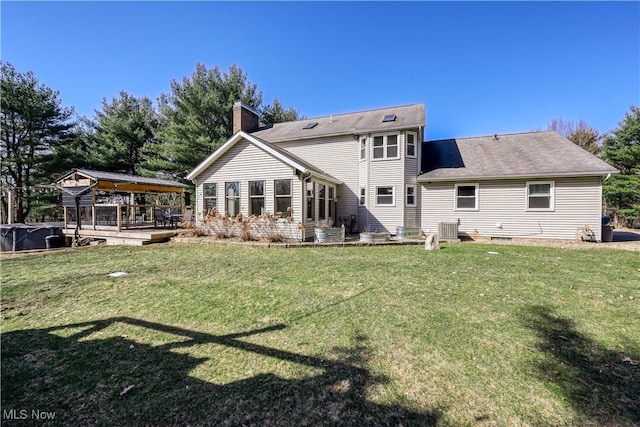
pixel 363 178
pixel 386 173
pixel 337 156
pixel 577 202
pixel 246 162
pixel 199 202
pixel 411 218
pixel 411 171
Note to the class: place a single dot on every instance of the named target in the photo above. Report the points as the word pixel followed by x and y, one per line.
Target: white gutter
pixel 520 176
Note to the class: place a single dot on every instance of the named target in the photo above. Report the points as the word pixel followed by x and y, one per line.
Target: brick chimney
pixel 245 118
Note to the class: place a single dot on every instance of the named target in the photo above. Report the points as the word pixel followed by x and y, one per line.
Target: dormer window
pixel 389 118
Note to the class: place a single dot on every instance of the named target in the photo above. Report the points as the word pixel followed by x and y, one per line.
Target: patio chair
pixel 160 216
pixel 188 214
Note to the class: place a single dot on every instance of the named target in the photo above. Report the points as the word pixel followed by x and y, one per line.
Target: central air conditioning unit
pixel 448 231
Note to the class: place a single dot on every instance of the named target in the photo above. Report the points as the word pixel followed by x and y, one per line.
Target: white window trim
pixel 322 202
pixel 360 148
pixel 415 145
pixel 227 197
pixel 385 147
pixel 393 195
pixel 406 194
pixel 360 196
pixel 277 196
pixel 331 201
pixel 205 197
pixel 313 198
pixel 552 190
pixel 263 196
pixel 455 197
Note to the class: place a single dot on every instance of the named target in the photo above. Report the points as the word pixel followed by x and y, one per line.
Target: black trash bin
pixel 52 242
pixel 607 233
pixel 607 229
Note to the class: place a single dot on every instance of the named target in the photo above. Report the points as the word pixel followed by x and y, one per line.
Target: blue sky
pixel 479 67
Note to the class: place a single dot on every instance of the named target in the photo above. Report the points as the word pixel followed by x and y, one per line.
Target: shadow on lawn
pixel 81 380
pixel 602 385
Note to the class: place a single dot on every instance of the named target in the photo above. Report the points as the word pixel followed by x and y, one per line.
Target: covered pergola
pixel 113 201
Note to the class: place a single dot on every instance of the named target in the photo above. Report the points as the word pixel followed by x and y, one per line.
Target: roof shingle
pixel 532 154
pixel 407 116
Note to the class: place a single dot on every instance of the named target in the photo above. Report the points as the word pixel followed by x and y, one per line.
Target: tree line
pixel 621 149
pixel 41 139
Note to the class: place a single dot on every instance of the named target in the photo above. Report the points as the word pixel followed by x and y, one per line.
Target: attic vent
pixel 310 125
pixel 389 118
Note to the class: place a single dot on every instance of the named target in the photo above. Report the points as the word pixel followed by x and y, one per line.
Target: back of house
pixel 371 170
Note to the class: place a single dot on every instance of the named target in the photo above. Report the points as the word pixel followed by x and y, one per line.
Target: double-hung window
pixel 540 196
pixel 210 197
pixel 322 197
pixel 256 197
pixel 331 195
pixel 411 195
pixel 466 197
pixel 385 147
pixel 311 207
pixel 363 148
pixel 283 197
pixel 411 144
pixel 232 195
pixel 385 196
pixel 363 196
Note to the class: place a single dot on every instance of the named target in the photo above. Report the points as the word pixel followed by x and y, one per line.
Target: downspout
pixel 603 204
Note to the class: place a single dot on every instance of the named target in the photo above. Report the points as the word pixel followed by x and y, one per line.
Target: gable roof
pixel 124 178
pixel 530 155
pixel 278 152
pixel 371 121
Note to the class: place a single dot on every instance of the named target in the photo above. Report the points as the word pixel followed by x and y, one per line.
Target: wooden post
pixel 94 213
pixel 76 234
pixel 10 202
pixel 119 216
pixel 131 216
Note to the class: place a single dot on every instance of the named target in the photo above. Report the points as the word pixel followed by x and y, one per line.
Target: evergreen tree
pixel 621 149
pixel 277 113
pixel 196 117
pixel 33 125
pixel 119 133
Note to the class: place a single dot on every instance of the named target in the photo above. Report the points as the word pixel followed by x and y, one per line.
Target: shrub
pixel 263 227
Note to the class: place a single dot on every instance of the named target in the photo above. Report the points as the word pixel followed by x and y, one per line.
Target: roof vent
pixel 495 137
pixel 310 125
pixel 389 118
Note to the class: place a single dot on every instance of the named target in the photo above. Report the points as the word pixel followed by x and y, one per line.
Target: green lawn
pixel 212 335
